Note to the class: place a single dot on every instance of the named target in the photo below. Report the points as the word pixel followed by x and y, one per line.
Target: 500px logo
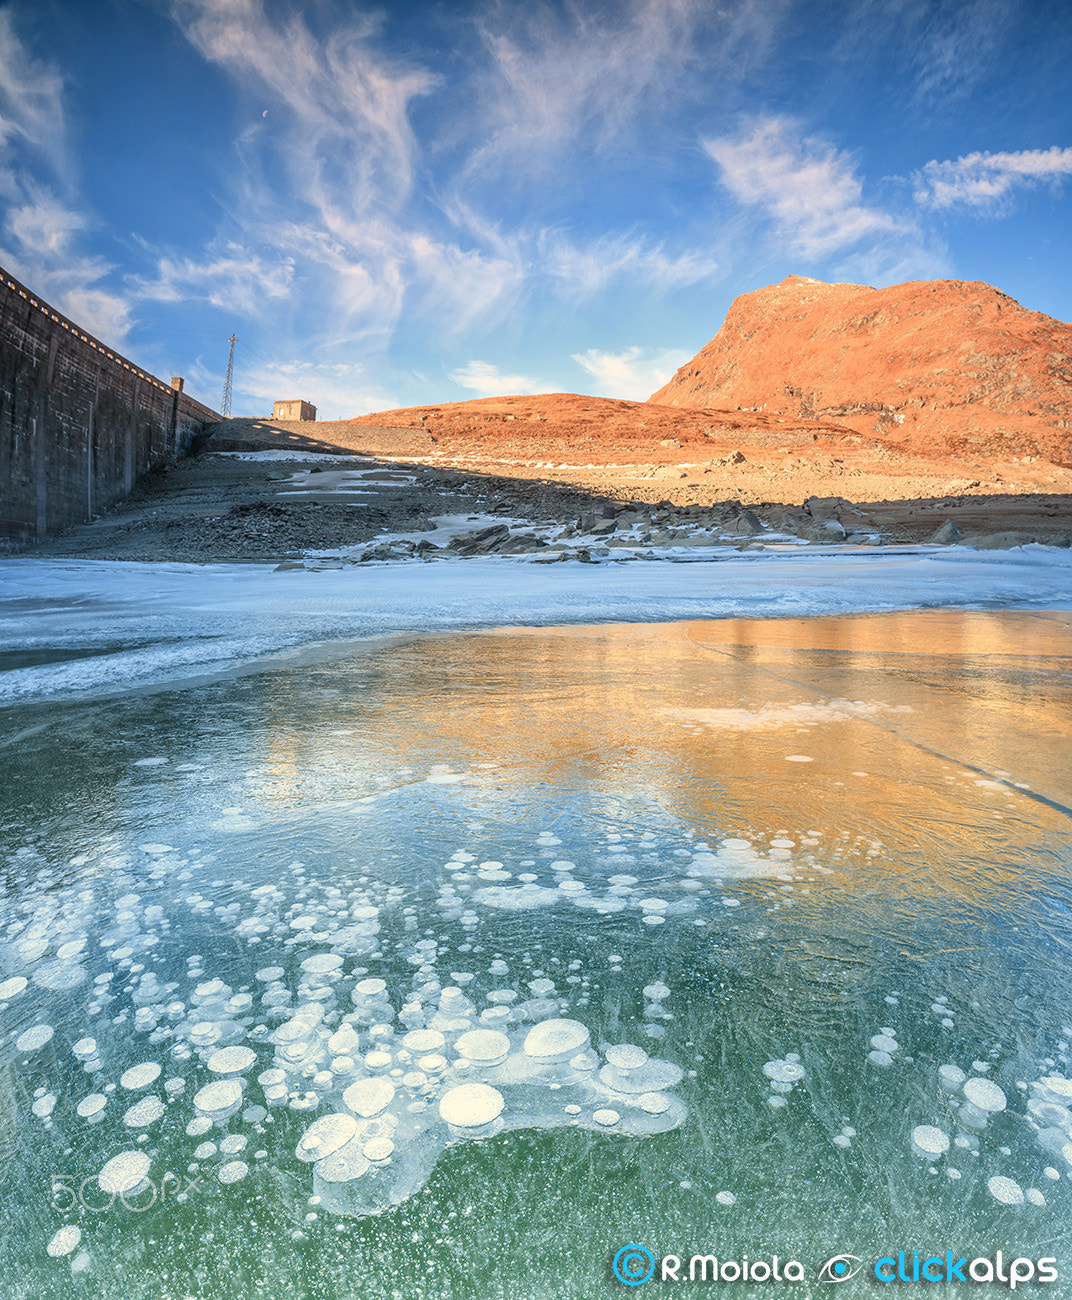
pixel 66 1193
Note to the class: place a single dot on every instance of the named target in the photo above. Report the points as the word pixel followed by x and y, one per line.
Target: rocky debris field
pixel 304 503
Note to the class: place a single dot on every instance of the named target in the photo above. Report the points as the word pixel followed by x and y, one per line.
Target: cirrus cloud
pixel 982 180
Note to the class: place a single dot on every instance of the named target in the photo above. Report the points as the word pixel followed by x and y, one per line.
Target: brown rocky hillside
pixel 942 367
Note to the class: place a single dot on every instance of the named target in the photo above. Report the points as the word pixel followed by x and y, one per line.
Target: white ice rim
pixel 130 625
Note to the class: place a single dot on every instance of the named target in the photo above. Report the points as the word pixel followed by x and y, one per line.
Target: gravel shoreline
pixel 291 495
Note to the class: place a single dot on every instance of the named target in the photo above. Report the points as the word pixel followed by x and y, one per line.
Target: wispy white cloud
pixel 584 269
pixel 807 187
pixel 41 246
pixel 339 390
pixel 983 180
pixel 954 45
pixel 31 103
pixel 341 89
pixel 42 238
pixel 584 74
pixel 340 127
pixel 234 278
pixel 633 374
pixel 486 380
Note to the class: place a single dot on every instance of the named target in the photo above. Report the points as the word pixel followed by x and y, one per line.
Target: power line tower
pixel 225 405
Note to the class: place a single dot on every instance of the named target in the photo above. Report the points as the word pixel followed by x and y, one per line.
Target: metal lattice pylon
pixel 225 405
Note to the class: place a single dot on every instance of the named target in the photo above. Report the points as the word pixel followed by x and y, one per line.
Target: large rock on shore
pixel 952 367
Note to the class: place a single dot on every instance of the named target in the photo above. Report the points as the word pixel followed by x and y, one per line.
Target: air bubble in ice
pixel 483 1047
pixel 91 1107
pixel 985 1094
pixel 65 1241
pixel 929 1141
pixel 471 1106
pixel 951 1077
pixel 123 1172
pixel 368 1097
pixel 231 1060
pixel 34 1038
pixel 139 1076
pixel 784 1071
pixel 144 1112
pixel 553 1041
pixel 1005 1191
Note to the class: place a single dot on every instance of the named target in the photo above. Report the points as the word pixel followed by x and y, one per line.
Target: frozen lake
pixel 446 965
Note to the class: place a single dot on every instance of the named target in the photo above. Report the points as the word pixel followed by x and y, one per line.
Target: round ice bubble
pixel 123 1172
pixel 556 1040
pixel 626 1056
pixel 985 1094
pixel 471 1105
pixel 231 1060
pixel 92 1105
pixel 1005 1191
pixel 929 1140
pixel 368 1097
pixel 884 1043
pixel 423 1040
pixel 13 987
pixel 606 1118
pixel 65 1241
pixel 34 1038
pixel 321 963
pixel 654 1103
pixel 784 1071
pixel 144 1112
pixel 139 1076
pixel 218 1096
pixel 951 1077
pixel 233 1172
pixel 483 1047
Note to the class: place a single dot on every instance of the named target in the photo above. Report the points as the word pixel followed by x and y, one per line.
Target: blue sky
pixel 425 202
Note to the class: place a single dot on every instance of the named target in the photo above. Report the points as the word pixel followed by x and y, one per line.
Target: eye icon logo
pixel 633 1265
pixel 839 1268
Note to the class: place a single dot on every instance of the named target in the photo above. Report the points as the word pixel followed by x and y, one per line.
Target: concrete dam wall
pixel 79 424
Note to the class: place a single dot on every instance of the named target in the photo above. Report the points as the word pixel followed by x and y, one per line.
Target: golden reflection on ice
pixel 936 733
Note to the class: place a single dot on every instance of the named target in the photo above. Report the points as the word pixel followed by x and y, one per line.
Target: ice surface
pixel 173 620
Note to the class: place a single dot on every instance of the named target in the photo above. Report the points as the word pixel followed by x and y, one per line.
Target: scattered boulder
pixel 947 534
pixel 999 541
pixel 746 524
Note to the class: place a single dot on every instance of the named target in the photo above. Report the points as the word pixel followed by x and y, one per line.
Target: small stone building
pixel 295 409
